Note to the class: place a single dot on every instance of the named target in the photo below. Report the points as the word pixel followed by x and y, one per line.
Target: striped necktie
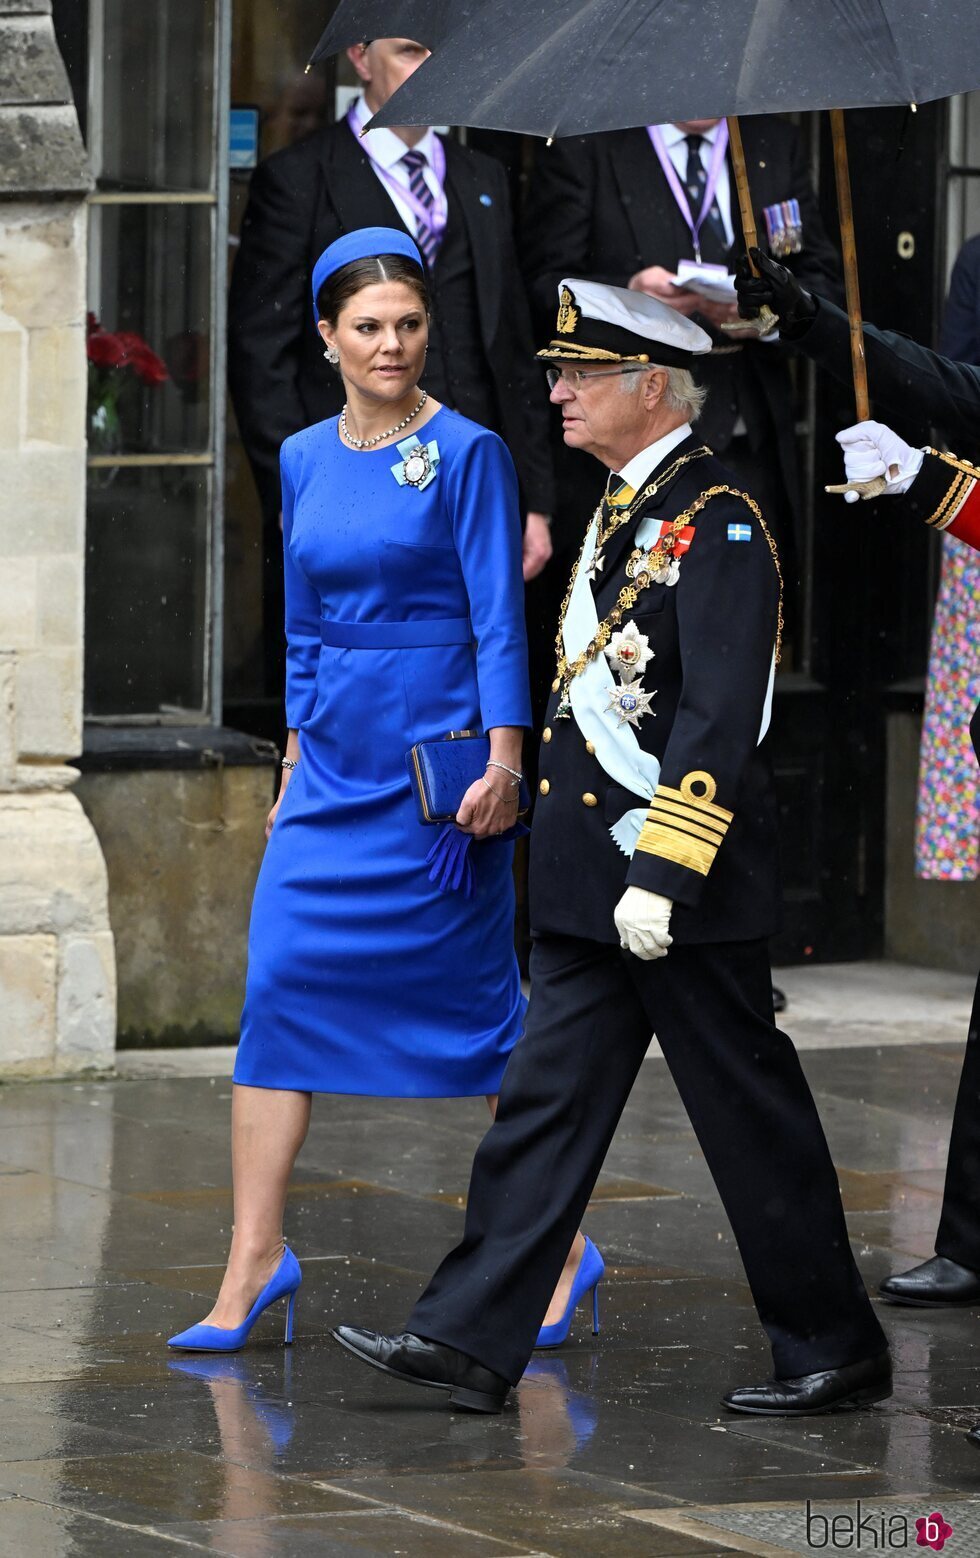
pixel 695 184
pixel 427 238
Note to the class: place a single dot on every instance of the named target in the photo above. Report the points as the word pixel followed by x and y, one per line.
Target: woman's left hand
pixel 488 812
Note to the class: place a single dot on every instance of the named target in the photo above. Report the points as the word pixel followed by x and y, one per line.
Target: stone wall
pixel 57 970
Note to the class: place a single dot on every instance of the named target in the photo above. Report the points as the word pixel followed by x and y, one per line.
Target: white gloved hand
pixel 870 450
pixel 642 920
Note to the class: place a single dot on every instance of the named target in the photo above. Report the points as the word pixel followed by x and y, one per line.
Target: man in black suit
pixel 909 380
pixel 455 203
pixel 653 890
pixel 602 206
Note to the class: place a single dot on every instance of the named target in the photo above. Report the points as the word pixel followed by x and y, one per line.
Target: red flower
pixel 124 349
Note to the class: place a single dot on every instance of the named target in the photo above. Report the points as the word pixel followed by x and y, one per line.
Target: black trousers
pixel 592 1010
pixel 959 1227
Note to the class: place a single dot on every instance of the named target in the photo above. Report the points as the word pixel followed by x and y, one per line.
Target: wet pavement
pixel 115 1209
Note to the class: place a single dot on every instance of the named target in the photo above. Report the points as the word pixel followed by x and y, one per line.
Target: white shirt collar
pixel 673 135
pixel 636 471
pixel 387 148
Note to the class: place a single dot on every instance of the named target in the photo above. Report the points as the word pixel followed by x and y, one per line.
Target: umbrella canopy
pixel 426 21
pixel 571 67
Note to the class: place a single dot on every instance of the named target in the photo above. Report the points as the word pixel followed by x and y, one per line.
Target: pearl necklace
pixel 369 443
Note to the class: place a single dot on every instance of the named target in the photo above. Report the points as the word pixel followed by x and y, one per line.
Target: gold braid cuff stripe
pixel 679 848
pixel 630 593
pixel 692 803
pixel 956 496
pixel 660 817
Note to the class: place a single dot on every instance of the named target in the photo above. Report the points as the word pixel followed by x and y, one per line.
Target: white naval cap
pixel 599 323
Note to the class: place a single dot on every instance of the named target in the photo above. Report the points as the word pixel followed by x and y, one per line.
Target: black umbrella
pixel 426 21
pixel 567 67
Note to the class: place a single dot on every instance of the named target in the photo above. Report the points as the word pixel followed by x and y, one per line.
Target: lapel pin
pixel 486 200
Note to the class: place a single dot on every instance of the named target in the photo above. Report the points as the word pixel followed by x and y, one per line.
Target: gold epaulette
pixel 686 827
pixel 956 493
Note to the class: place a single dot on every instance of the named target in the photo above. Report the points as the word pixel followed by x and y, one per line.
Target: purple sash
pixel 677 188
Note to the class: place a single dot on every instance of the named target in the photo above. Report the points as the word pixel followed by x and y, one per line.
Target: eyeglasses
pixel 575 378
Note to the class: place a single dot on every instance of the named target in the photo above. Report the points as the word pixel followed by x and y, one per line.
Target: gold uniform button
pixel 590 799
pixel 546 733
pixel 544 787
pixel 590 748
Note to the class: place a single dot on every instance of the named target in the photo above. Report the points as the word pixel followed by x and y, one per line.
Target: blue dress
pixel 404 621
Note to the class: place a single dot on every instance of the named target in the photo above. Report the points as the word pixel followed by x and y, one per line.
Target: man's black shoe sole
pixel 851 1403
pixel 459 1396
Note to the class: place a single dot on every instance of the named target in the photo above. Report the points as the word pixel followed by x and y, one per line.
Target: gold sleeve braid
pixel 685 826
pixel 956 493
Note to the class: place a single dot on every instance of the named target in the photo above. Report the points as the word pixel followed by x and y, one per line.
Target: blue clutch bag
pixel 442 771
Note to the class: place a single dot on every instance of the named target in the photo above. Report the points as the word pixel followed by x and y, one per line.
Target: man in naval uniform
pixel 653 891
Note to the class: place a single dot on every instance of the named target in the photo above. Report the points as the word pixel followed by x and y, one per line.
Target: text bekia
pixel 878 1531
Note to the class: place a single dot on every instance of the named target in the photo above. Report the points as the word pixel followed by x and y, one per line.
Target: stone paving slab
pixel 115 1212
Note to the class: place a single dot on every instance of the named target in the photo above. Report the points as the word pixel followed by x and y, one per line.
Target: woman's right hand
pixel 270 821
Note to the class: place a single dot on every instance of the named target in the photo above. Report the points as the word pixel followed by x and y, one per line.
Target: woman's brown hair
pixel 345 283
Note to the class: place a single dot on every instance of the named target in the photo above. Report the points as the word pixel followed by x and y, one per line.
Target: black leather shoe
pixel 421 1362
pixel 778 999
pixel 936 1284
pixel 832 1390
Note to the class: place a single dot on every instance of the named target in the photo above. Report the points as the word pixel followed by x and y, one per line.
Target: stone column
pixel 57 966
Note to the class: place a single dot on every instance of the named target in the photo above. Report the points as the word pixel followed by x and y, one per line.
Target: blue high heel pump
pixel 590 1272
pixel 284 1283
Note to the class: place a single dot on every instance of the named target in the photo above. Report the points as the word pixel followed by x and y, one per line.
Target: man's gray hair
pixel 680 393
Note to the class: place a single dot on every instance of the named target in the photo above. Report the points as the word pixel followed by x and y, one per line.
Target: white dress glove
pixel 642 920
pixel 871 449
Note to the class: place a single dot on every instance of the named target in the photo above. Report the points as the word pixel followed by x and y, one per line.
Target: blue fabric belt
pixel 397 635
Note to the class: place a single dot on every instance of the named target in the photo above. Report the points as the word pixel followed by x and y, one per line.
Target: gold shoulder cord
pixel 653 561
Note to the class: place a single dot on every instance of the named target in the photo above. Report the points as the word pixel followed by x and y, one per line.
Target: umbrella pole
pixel 859 366
pixel 767 320
pixel 849 249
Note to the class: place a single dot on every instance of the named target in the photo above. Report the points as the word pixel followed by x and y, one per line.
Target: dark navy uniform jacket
pixel 710 838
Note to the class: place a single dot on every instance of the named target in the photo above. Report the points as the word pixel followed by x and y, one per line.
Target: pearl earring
pixel 332 355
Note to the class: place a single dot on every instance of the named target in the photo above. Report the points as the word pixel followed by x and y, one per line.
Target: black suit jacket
pixel 600 207
pixel 713 635
pixel 301 199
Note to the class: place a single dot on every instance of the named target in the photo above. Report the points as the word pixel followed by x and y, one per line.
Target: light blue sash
pixel 616 746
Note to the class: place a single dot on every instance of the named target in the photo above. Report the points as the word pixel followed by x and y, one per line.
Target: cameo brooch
pixel 417 466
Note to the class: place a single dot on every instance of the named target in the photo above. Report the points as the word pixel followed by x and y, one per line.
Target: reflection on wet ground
pixel 114 1216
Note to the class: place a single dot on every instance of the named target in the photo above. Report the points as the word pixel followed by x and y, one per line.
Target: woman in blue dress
pixel 404 621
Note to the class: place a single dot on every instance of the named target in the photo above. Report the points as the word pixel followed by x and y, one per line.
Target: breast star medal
pixel 629 652
pixel 630 702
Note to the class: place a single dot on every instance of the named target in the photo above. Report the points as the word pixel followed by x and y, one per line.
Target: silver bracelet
pixel 290 762
pixel 486 781
pixel 516 776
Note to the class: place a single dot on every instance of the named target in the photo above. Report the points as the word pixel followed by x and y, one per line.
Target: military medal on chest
pixel 629 653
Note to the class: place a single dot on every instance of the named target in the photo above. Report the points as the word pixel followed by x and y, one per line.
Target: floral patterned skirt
pixel 948 821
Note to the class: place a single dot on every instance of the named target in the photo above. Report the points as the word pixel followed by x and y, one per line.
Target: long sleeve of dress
pixel 302 615
pixel 487 533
